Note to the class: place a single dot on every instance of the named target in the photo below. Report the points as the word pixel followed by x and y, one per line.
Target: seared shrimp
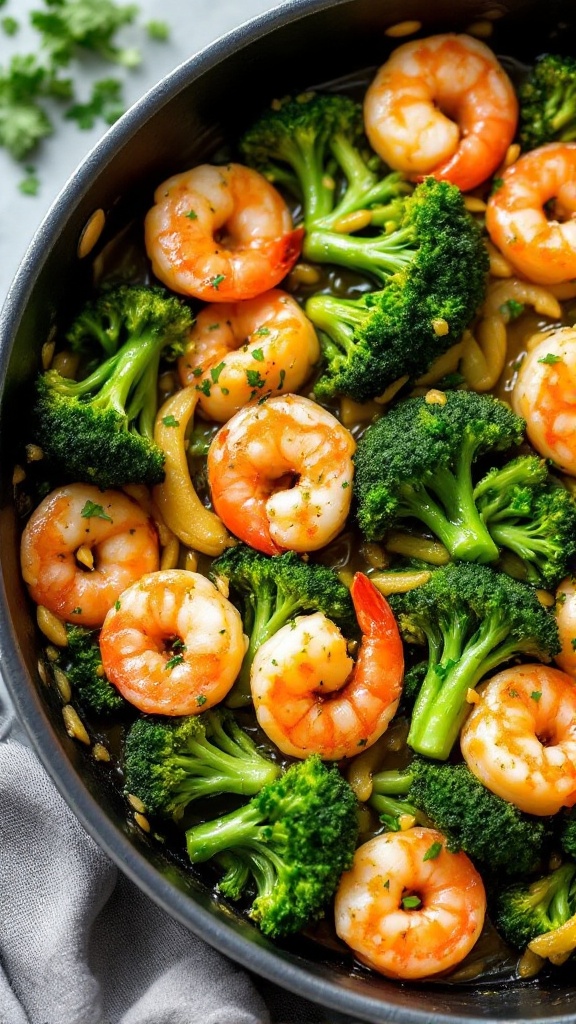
pixel 310 697
pixel 565 613
pixel 442 106
pixel 520 740
pixel 172 644
pixel 220 234
pixel 82 547
pixel 536 244
pixel 545 396
pixel 238 352
pixel 280 475
pixel 408 907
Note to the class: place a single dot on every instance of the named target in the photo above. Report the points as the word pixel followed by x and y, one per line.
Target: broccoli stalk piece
pixel 293 839
pixel 523 910
pixel 416 462
pixel 168 763
pixel 530 514
pixel 471 817
pixel 82 664
pixel 100 429
pixel 304 142
pixel 272 590
pixel 433 266
pixel 548 102
pixel 473 619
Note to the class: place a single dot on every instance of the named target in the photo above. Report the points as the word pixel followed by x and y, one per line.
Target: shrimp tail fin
pixel 283 252
pixel 374 614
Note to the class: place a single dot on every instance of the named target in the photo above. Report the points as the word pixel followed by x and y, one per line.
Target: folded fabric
pixel 80 944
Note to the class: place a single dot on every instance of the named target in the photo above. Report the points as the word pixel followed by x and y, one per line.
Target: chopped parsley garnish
pixel 176 659
pixel 433 851
pixel 512 309
pixel 216 371
pixel 550 359
pixel 29 185
pixel 254 379
pixel 170 421
pixel 536 695
pixel 10 26
pixel 201 700
pixel 262 332
pixel 105 103
pixel 217 281
pixel 191 215
pixel 204 387
pixel 411 902
pixel 158 30
pixel 258 354
pixel 92 510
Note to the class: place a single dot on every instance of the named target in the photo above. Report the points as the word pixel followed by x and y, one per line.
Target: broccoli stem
pixel 365 189
pixel 131 364
pixel 238 828
pixel 441 707
pixel 337 319
pixel 377 257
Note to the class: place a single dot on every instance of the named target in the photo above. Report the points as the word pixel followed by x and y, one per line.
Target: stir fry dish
pixel 301 520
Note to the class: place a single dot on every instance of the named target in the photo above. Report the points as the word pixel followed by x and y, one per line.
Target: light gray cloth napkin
pixel 80 944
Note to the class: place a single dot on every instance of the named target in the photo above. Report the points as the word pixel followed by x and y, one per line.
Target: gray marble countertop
pixel 193 25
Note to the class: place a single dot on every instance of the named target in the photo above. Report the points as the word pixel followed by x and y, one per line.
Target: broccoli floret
pixel 303 143
pixel 82 664
pixel 438 262
pixel 169 762
pixel 416 462
pixel 529 513
pixel 294 839
pixel 567 831
pixel 523 910
pixel 473 619
pixel 100 429
pixel 548 102
pixel 272 590
pixel 472 818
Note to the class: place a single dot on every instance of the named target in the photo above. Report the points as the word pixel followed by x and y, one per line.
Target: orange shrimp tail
pixel 283 252
pixel 374 614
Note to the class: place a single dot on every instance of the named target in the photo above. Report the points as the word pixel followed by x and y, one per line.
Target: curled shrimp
pixel 280 475
pixel 565 614
pixel 260 346
pixel 518 220
pixel 408 907
pixel 82 547
pixel 220 233
pixel 442 106
pixel 520 740
pixel 172 644
pixel 310 697
pixel 545 396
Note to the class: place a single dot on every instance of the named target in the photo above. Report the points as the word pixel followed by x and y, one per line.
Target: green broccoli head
pixel 532 515
pixel 100 429
pixel 416 462
pixel 473 620
pixel 489 829
pixel 548 102
pixel 525 910
pixel 271 591
pixel 294 839
pixel 82 664
pixel 169 762
pixel 433 266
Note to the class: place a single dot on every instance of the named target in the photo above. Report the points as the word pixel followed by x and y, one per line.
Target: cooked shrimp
pixel 239 351
pixel 220 234
pixel 82 547
pixel 545 396
pixel 442 106
pixel 310 697
pixel 406 914
pixel 536 244
pixel 280 475
pixel 565 614
pixel 520 740
pixel 172 644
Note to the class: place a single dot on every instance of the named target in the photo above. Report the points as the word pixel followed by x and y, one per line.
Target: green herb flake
pixel 30 185
pixel 117 606
pixel 361 743
pixel 105 103
pixel 216 371
pixel 170 421
pixel 92 510
pixel 387 884
pixel 217 281
pixel 573 643
pixel 262 332
pixel 176 659
pixel 201 700
pixel 258 354
pixel 213 327
pixel 204 387
pixel 345 484
pixel 550 359
pixel 433 851
pixel 411 902
pixel 225 391
pixel 158 30
pixel 512 309
pixel 282 378
pixel 254 379
pixel 496 184
pixel 10 26
pixel 536 695
pixel 191 215
pixel 76 611
pixel 513 693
